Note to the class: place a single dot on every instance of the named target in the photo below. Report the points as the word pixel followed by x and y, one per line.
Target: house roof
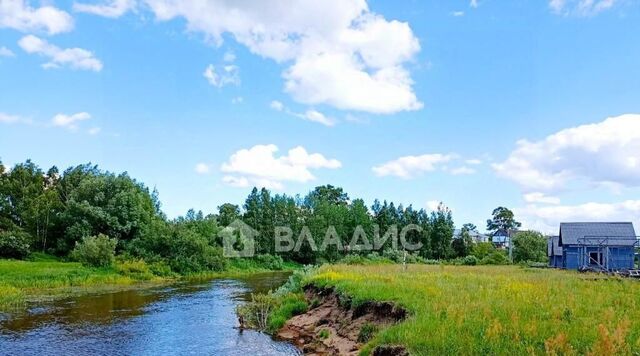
pixel 553 247
pixel 595 233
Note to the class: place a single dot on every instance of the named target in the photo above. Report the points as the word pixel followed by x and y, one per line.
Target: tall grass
pixel 497 310
pixel 24 280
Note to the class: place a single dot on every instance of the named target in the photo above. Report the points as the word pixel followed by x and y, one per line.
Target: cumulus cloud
pixel 473 161
pixel 224 75
pixel 338 52
pixel 537 197
pixel 260 166
pixel 112 9
pixel 76 58
pixel 202 168
pixel 548 218
pixel 5 52
pixel 473 3
pixel 18 15
pixel 457 13
pixel 580 7
pixel 410 166
pixel 70 121
pixel 605 153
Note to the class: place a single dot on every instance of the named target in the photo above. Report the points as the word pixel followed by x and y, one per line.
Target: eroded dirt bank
pixel 332 326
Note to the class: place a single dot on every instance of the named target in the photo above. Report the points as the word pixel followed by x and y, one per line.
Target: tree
pixel 463 244
pixel 502 219
pixel 529 246
pixel 227 213
pixel 441 232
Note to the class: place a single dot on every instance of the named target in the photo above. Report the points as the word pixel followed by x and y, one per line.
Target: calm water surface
pixel 184 319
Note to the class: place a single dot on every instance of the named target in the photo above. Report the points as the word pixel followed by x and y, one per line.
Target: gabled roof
pixel 595 233
pixel 553 247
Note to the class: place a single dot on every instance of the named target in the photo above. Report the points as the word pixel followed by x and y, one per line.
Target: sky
pixel 532 105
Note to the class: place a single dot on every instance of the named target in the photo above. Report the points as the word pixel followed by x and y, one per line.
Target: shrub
pixel 470 261
pixel 137 269
pixel 495 258
pixel 270 262
pixel 14 244
pixel 95 251
pixel 161 269
pixel 324 334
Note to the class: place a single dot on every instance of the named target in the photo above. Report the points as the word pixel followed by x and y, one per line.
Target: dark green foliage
pixel 496 257
pixel 95 251
pixel 470 261
pixel 502 219
pixel 529 246
pixel 14 243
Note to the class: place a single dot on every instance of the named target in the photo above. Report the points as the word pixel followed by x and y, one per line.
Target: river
pixel 182 319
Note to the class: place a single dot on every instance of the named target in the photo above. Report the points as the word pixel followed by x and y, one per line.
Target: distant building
pixel 475 236
pixel 554 251
pixel 502 238
pixel 595 246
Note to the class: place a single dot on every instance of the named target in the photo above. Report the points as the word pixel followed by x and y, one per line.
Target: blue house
pixel 597 246
pixel 554 251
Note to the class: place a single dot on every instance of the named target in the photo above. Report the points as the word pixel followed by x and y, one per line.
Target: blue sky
pixel 532 105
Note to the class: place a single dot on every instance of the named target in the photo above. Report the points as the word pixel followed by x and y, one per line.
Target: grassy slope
pixel 497 309
pixel 21 281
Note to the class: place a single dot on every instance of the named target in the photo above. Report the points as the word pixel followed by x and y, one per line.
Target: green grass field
pixel 497 310
pixel 22 281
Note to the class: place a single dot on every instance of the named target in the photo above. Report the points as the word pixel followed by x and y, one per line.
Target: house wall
pixel 620 258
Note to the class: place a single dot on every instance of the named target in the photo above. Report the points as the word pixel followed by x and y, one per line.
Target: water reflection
pixel 193 319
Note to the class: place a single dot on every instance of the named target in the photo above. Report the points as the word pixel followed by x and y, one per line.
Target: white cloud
pixel 237 100
pixel 276 105
pixel 409 166
pixel 537 197
pixel 225 75
pixel 94 131
pixel 5 52
pixel 548 218
pixel 259 166
pixel 464 170
pixel 229 56
pixel 580 7
pixel 605 153
pixel 112 9
pixel 473 3
pixel 70 121
pixel 202 168
pixel 433 204
pixel 457 13
pixel 76 58
pixel 316 116
pixel 18 15
pixel 473 161
pixel 337 51
pixel 309 115
pixel 9 119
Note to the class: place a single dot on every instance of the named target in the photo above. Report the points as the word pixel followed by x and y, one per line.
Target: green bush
pixel 95 251
pixel 137 269
pixel 14 244
pixel 470 261
pixel 495 258
pixel 270 262
pixel 286 308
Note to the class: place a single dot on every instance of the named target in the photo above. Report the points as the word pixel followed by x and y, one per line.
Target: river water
pixel 183 319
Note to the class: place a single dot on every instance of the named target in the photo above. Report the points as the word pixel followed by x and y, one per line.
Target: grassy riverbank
pixel 46 278
pixel 499 310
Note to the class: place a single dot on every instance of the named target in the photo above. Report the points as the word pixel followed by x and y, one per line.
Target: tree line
pixel 53 212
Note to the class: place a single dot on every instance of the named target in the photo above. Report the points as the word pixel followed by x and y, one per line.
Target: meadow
pixel 496 310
